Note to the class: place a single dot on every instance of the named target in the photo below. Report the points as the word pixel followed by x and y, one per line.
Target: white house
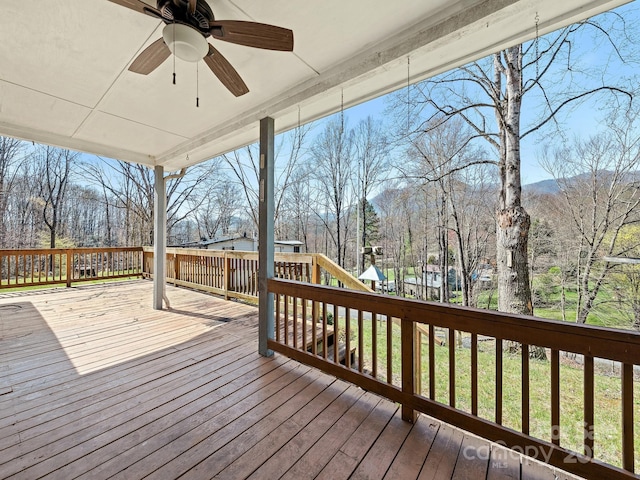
pixel 245 243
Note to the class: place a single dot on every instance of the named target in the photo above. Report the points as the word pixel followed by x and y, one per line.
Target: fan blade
pixel 150 58
pixel 251 34
pixel 138 6
pixel 228 75
pixel 191 7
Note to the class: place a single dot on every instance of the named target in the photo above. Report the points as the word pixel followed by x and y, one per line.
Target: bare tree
pixel 488 95
pixel 298 206
pixel 372 151
pixel 132 185
pixel 444 157
pixel 393 231
pixel 214 214
pixel 626 276
pixel 333 170
pixel 10 159
pixel 599 182
pixel 245 169
pixel 54 171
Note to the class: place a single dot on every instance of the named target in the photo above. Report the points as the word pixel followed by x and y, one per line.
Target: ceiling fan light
pixel 185 42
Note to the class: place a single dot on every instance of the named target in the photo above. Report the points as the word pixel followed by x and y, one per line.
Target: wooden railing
pixel 372 351
pixel 465 366
pixel 234 273
pixel 33 267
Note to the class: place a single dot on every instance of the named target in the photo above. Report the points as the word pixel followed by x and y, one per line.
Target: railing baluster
pixel 304 324
pixel 452 367
pixel 360 341
pixel 525 388
pixel 374 345
pixel 245 274
pixel 499 381
pixel 347 336
pixel 418 360
pixel 336 334
pixel 627 417
pixel 432 362
pixel 474 374
pixel 286 319
pixel 589 399
pixel 277 318
pixel 295 322
pixel 314 328
pixel 555 396
pixel 324 331
pixel 389 349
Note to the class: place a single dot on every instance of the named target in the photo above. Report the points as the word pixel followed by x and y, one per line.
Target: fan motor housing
pixel 176 11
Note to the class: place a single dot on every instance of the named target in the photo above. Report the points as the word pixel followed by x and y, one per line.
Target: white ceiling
pixel 64 78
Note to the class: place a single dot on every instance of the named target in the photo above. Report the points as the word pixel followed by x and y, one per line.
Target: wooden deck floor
pixel 95 384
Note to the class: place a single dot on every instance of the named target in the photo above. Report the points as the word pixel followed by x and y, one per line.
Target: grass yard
pixel 608 413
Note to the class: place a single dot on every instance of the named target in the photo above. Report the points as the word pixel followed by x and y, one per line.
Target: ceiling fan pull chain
pixel 197 86
pixel 174 56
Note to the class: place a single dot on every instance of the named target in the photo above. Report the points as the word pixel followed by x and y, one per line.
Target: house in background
pixel 431 282
pixel 244 243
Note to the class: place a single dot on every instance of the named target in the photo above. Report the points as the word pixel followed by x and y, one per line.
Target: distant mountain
pixel 543 187
pixel 550 187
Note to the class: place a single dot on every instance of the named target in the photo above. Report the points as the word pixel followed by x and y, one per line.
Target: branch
pixel 572 99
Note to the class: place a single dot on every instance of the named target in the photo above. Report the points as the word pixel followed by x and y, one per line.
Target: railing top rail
pixel 601 342
pixel 49 251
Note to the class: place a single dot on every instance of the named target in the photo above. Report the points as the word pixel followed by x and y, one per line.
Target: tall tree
pixel 372 151
pixel 55 166
pixel 215 212
pixel 132 186
pixel 444 157
pixel 598 179
pixel 244 166
pixel 332 159
pixel 298 202
pixel 489 94
pixel 626 276
pixel 10 159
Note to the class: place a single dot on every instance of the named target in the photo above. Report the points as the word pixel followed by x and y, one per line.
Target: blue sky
pixel 583 120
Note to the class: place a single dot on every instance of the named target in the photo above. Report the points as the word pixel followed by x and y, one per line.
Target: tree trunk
pixel 513 273
pixel 444 251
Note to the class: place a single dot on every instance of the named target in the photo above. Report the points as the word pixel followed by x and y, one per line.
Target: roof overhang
pixel 64 76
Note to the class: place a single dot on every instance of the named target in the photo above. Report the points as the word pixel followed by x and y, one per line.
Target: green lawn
pixel 607 439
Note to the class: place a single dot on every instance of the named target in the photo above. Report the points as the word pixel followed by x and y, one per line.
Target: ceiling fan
pixel 188 25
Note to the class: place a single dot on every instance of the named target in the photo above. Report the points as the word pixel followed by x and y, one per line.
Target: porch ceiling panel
pixel 64 78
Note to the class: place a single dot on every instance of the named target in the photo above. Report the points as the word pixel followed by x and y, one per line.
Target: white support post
pixel 266 235
pixel 159 237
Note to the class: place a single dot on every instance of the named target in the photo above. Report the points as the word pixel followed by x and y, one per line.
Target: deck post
pixel 408 364
pixel 159 236
pixel 266 235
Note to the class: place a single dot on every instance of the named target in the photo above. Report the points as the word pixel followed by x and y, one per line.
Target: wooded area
pixel 437 181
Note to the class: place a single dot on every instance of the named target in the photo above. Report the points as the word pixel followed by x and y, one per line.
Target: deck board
pixel 96 384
